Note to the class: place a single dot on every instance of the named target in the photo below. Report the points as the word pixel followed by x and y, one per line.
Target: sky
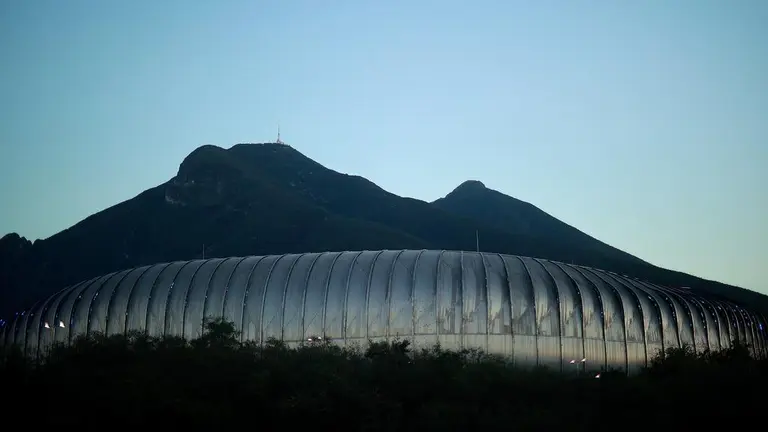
pixel 644 124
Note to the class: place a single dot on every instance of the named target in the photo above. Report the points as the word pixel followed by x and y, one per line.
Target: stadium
pixel 533 311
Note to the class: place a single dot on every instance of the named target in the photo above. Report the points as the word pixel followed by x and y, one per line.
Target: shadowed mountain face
pixel 494 209
pixel 255 199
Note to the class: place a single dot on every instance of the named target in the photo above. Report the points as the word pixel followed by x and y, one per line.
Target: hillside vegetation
pixel 217 382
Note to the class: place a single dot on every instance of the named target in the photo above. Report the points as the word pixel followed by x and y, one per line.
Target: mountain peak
pixel 470 185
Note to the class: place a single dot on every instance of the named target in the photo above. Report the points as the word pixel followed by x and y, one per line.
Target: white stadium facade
pixel 533 311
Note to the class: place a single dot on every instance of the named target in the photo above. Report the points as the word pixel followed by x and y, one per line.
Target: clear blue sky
pixel 644 124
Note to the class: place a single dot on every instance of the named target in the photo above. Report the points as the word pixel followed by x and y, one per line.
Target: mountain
pixel 494 209
pixel 257 199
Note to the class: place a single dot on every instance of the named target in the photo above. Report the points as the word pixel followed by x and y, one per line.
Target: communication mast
pixel 278 136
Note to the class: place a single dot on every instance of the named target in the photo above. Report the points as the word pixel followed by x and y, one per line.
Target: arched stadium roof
pixel 534 311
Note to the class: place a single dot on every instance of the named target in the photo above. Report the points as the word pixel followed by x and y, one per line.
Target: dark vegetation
pixel 269 199
pixel 216 383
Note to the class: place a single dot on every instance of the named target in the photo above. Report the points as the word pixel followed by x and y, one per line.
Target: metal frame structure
pixel 533 311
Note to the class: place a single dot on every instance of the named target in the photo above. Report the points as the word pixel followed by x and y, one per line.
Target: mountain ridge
pixel 268 198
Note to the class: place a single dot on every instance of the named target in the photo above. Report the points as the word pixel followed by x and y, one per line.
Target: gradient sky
pixel 642 123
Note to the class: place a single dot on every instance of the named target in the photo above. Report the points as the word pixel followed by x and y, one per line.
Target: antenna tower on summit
pixel 278 136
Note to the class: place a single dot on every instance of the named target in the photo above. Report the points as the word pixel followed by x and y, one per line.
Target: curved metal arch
pixel 19 318
pixel 688 310
pixel 285 292
pixel 245 293
pixel 263 299
pixel 187 289
pixel 659 298
pixel 556 290
pixel 15 328
pixel 413 296
pixel 437 294
pixel 344 312
pixel 368 294
pixel 708 307
pixel 704 317
pixel 749 329
pixel 529 277
pixel 619 282
pixel 506 290
pixel 733 323
pixel 461 300
pixel 60 297
pixel 486 290
pixel 304 295
pixel 601 303
pixel 622 311
pixel 654 301
pixel 226 288
pixel 740 322
pixel 154 287
pixel 170 292
pixel 580 306
pixel 130 291
pixel 26 315
pixel 759 340
pixel 124 273
pixel 325 294
pixel 304 290
pixel 389 294
pixel 130 300
pixel 66 298
pixel 673 305
pixel 11 338
pixel 205 299
pixel 38 316
pixel 762 333
pixel 741 330
pixel 104 279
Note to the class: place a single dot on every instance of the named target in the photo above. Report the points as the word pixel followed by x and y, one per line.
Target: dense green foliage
pixel 216 382
pixel 271 199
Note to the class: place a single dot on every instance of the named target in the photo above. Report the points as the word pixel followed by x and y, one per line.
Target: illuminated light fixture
pixel 573 362
pixel 61 324
pixel 584 359
pixel 597 376
pixel 47 326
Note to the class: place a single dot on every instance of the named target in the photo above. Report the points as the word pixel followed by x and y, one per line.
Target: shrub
pixel 216 381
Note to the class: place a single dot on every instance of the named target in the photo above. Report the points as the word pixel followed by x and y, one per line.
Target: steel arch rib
pixel 149 298
pixel 601 303
pixel 263 299
pixel 576 289
pixel 305 288
pixel 556 290
pixel 529 277
pixel 324 312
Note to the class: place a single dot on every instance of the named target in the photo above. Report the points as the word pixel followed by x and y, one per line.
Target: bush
pixel 216 381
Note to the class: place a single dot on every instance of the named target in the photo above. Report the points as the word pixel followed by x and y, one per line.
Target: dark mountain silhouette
pixel 473 200
pixel 269 198
pixel 492 208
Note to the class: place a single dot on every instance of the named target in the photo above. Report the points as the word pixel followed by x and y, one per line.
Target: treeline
pixel 215 382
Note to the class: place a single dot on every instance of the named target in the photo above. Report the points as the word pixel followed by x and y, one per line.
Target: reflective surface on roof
pixel 534 311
